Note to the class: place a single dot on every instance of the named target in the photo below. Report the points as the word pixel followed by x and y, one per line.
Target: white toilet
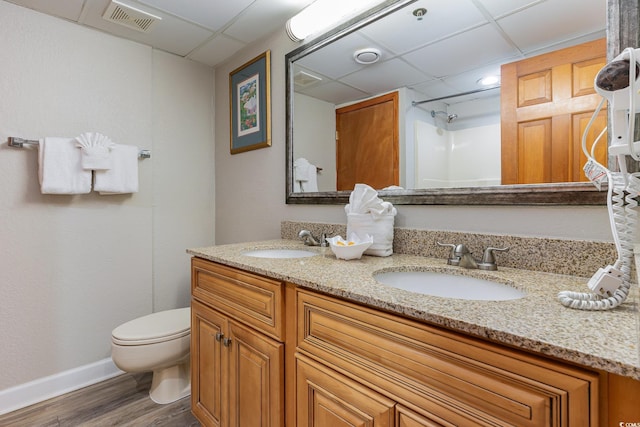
pixel 158 342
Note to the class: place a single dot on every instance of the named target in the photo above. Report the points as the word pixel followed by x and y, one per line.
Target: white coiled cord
pixel 623 221
pixel 623 189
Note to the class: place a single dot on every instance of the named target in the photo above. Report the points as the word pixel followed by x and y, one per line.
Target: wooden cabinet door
pixel 208 365
pixel 408 418
pixel 367 143
pixel 256 379
pixel 546 102
pixel 451 377
pixel 328 399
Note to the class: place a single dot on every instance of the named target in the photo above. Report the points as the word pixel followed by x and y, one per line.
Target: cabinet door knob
pixel 226 342
pixel 219 336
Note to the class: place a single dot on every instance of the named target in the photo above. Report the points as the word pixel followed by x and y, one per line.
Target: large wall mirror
pixel 430 54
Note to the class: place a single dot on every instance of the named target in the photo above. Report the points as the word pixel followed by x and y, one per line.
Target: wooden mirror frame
pixel 622 31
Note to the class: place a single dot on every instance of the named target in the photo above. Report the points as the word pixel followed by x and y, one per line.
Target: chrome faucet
pixel 309 240
pixel 461 256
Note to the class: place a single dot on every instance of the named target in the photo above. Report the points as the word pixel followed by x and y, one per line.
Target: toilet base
pixel 171 384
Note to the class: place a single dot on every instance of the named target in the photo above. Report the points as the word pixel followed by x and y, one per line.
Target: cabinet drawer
pixel 252 299
pixel 443 373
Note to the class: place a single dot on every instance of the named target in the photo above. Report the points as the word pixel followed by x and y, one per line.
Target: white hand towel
pixel 301 169
pixel 60 170
pixel 305 176
pixel 96 150
pixel 123 175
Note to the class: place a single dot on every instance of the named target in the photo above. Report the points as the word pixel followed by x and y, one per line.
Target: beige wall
pixel 250 187
pixel 74 267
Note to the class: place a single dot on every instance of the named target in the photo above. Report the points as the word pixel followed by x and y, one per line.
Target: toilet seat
pixel 154 328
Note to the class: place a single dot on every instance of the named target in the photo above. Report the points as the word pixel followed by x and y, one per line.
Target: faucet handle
pixel 308 238
pixel 461 249
pixel 489 260
pixel 453 259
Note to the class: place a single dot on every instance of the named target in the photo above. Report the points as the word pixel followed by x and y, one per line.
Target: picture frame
pixel 250 104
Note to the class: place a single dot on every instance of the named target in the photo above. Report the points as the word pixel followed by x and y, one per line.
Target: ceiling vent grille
pixel 130 17
pixel 304 79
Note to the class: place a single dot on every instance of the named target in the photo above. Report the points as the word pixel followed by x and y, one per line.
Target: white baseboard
pixel 45 388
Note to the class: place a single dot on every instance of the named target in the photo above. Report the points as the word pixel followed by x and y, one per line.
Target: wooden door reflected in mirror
pixel 367 143
pixel 546 103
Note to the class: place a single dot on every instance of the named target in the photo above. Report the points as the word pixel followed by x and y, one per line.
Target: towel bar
pixel 21 142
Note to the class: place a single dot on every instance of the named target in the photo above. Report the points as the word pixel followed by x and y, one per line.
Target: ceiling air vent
pixel 130 17
pixel 304 79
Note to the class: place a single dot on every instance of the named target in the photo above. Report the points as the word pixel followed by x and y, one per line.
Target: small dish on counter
pixel 349 249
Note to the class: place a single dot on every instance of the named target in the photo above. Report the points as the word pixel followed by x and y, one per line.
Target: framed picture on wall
pixel 250 96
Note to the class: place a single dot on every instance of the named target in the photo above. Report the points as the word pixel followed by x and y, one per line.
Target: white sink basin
pixel 449 285
pixel 279 253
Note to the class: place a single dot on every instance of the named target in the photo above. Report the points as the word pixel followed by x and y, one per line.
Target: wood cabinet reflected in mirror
pixel 340 85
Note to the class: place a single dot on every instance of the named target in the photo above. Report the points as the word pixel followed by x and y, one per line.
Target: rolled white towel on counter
pixel 380 228
pixel 368 214
pixel 60 167
pixel 364 199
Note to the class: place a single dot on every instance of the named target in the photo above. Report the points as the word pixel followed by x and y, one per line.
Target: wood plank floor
pixel 120 401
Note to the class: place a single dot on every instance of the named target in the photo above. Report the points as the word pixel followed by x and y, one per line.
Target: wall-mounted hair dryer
pixel 617 82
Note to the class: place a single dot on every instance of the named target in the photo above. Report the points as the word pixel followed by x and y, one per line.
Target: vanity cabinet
pixel 430 376
pixel 237 348
pixel 267 353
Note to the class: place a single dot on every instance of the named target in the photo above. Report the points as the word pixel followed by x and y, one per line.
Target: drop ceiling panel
pixel 210 14
pixel 499 8
pixel 468 81
pixel 335 92
pixel 540 26
pixel 68 9
pixel 463 52
pixel 171 34
pixel 264 17
pixel 385 76
pixel 216 50
pixel 336 59
pixel 403 32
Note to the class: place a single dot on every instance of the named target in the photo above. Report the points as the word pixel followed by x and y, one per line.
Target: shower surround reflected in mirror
pixel 322 76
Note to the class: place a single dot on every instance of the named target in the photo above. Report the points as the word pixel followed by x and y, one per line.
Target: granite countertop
pixel 606 340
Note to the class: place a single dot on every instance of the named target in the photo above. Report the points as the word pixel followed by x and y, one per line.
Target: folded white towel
pixel 305 176
pixel 364 200
pixel 60 170
pixel 123 175
pixel 96 150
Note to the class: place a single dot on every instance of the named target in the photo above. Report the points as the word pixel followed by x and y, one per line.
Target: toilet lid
pixel 153 328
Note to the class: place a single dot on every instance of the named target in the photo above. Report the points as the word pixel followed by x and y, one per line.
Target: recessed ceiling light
pixel 489 80
pixel 367 56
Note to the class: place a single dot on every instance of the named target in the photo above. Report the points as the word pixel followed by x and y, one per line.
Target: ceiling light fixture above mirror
pixel 322 15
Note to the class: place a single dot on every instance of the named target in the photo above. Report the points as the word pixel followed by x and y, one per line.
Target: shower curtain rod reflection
pixel 471 92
